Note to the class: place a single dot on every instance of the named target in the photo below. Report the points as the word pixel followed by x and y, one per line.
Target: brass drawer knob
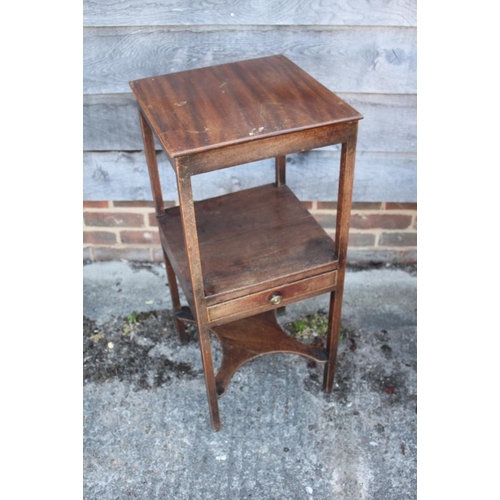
pixel 275 299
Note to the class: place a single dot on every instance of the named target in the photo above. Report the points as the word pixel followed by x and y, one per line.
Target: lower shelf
pixel 250 338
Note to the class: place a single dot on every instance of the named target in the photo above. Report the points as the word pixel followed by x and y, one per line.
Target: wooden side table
pixel 240 256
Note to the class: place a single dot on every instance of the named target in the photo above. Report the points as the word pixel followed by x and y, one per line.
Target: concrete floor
pixel 282 437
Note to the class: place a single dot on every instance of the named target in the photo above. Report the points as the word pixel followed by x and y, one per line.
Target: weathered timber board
pixel 345 59
pixel 243 12
pixel 311 176
pixel 111 123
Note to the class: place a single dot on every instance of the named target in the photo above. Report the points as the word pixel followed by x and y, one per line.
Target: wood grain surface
pixel 364 49
pixel 250 338
pixel 253 250
pixel 345 59
pixel 250 241
pixel 209 12
pixel 290 292
pixel 210 108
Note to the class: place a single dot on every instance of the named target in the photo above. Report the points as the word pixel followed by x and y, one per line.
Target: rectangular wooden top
pixel 205 109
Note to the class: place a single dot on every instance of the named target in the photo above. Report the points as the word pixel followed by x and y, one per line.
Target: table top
pixel 205 109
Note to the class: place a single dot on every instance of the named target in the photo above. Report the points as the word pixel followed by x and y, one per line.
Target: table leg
pixel 176 302
pixel 188 218
pixel 154 177
pixel 280 163
pixel 346 181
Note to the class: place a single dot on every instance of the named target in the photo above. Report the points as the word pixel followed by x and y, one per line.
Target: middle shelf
pixel 253 243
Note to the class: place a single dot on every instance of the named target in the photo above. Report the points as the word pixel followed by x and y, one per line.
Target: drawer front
pixel 271 298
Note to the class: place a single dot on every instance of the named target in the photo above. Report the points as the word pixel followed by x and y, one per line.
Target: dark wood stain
pixel 250 338
pixel 241 256
pixel 249 240
pixel 237 102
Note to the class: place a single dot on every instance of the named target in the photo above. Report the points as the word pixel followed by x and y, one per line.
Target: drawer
pixel 272 298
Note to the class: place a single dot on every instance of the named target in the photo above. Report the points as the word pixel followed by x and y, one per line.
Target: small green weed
pixel 298 326
pixel 132 318
pixel 314 325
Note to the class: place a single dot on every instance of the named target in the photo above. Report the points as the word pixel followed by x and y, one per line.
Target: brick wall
pixel 126 230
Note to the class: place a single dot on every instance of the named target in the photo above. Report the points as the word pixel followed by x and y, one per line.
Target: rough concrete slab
pixel 282 437
pixel 112 289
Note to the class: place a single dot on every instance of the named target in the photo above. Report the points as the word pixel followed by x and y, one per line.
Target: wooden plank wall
pixel 364 50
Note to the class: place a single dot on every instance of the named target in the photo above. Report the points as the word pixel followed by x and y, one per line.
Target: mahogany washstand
pixel 240 256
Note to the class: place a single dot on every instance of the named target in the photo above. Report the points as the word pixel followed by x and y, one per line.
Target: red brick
pixel 327 205
pixel 135 203
pixel 384 221
pixel 326 220
pixel 96 204
pixel 358 239
pixel 152 216
pixel 110 219
pixel 307 204
pixel 113 253
pixel 398 240
pixel 361 240
pixel 140 237
pixel 401 206
pixel 152 220
pixel 408 257
pixel 99 237
pixel 366 205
